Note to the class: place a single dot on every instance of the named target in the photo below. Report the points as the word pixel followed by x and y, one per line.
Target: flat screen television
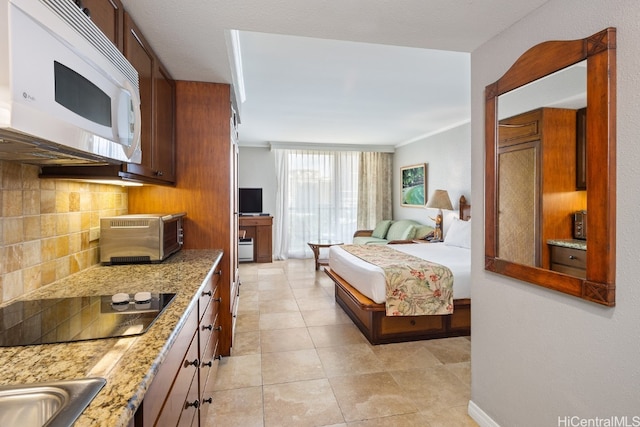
pixel 250 200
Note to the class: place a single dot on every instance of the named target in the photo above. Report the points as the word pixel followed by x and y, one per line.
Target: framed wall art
pixel 414 185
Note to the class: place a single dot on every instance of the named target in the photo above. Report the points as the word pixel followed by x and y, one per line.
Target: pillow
pixel 381 229
pixel 459 234
pixel 401 230
pixel 422 231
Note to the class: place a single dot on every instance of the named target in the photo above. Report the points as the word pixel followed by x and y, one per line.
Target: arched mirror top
pixel 568 60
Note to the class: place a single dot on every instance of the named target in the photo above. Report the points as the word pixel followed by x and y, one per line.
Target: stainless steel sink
pixel 51 404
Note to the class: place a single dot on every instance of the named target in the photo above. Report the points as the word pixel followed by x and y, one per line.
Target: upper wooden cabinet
pixel 108 15
pixel 157 95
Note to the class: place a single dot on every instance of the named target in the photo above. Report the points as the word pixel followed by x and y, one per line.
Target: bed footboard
pixel 378 328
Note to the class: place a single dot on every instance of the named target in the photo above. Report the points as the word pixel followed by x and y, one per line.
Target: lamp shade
pixel 440 200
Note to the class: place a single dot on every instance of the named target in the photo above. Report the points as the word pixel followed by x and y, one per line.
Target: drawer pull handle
pixel 207 364
pixel 572 257
pixel 195 363
pixel 208 400
pixel 195 404
pixel 207 293
pixel 209 327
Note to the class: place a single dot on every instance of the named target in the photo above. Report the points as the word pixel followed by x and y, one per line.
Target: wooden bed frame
pixel 378 328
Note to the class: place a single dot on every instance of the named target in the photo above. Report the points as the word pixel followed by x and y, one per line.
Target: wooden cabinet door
pixel 163 161
pixel 108 15
pixel 519 201
pixel 139 54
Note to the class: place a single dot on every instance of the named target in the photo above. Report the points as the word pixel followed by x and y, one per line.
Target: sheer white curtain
pixel 316 199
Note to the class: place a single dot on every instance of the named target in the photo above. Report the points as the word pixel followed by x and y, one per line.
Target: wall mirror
pixel 550 160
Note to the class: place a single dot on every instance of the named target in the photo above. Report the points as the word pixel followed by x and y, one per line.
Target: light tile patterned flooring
pixel 298 360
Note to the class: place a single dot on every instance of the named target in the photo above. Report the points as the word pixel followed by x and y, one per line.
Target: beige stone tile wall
pixel 45 227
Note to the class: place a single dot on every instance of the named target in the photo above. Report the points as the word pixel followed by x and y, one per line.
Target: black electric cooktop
pixel 58 320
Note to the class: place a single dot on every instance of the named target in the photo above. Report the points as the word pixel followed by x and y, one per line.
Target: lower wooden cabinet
pixel 181 393
pixel 571 261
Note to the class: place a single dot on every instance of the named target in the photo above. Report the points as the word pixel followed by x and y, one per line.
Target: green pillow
pixel 381 229
pixel 422 231
pixel 401 230
pixel 409 233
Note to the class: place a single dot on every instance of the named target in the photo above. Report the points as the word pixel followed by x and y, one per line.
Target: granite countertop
pixel 569 243
pixel 128 364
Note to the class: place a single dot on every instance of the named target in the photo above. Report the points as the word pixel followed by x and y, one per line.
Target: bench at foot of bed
pixel 378 328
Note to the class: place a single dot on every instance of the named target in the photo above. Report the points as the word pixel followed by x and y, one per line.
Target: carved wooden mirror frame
pixel 546 58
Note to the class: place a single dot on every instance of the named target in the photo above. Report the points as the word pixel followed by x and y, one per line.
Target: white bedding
pixel 370 281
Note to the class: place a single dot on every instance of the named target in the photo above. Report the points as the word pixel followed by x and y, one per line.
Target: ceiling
pixel 381 73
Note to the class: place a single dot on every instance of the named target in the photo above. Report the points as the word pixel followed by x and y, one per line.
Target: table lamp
pixel 439 200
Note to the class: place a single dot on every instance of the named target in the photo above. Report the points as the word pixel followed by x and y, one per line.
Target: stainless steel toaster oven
pixel 140 238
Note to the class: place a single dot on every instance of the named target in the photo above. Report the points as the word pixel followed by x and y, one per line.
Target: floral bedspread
pixel 415 286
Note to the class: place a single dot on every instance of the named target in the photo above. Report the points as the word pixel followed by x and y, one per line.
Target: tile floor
pixel 298 360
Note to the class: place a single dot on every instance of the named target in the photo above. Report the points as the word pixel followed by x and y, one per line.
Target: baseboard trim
pixel 479 416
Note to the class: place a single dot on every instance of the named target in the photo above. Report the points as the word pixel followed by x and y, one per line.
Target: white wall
pixel 257 169
pixel 448 158
pixel 537 354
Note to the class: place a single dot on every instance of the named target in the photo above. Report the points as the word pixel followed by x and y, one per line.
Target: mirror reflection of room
pixel 550 159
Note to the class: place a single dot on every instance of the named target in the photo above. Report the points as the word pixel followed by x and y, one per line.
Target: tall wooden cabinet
pixel 536 183
pixel 205 185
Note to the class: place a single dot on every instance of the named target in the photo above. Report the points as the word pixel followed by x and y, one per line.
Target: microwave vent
pixel 73 15
pixel 130 223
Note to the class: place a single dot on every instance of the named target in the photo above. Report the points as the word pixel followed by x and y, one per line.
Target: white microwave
pixel 67 95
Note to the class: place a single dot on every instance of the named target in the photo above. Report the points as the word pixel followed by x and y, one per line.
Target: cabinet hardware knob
pixel 218 299
pixel 195 363
pixel 195 404
pixel 208 364
pixel 207 293
pixel 219 272
pixel 209 327
pixel 159 173
pixel 572 257
pixel 208 400
pixel 218 357
pixel 219 328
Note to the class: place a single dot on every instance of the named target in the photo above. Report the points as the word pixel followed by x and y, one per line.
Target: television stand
pixel 258 228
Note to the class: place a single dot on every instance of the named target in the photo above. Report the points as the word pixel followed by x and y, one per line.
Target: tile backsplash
pixel 49 227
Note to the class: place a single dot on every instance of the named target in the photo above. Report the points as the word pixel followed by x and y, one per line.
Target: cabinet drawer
pixel 208 370
pixel 179 397
pixel 205 296
pixel 159 389
pixel 570 257
pixel 189 415
pixel 208 325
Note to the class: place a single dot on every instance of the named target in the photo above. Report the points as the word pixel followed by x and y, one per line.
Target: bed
pixel 360 291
